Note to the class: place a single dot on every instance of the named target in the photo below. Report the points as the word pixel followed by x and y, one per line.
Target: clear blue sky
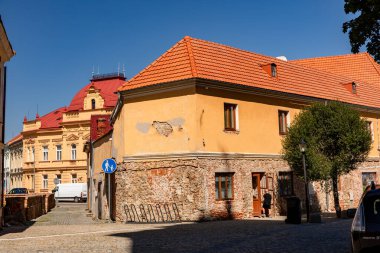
pixel 59 41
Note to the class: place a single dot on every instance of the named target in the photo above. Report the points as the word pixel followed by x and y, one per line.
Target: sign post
pixel 109 167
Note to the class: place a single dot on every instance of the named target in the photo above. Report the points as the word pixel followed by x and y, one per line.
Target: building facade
pixel 13 163
pixel 202 127
pixel 53 145
pixel 6 53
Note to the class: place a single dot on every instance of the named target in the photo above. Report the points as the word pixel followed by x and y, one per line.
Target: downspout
pixel 2 150
pixel 91 172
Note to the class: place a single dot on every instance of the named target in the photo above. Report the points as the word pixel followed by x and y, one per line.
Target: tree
pixel 337 141
pixel 364 29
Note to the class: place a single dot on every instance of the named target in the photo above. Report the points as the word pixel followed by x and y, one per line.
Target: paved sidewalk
pixel 67 229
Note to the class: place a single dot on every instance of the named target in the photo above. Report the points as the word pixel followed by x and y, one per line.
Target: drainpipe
pixel 2 150
pixel 91 173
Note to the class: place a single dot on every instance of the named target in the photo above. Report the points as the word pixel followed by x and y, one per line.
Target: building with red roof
pixel 202 127
pixel 53 143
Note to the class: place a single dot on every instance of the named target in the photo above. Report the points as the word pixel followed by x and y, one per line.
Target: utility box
pixel 293 215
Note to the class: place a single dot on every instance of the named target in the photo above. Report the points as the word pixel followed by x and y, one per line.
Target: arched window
pixel 93 104
pixel 73 152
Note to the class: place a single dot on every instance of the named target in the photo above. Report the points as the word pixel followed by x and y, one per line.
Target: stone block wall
pixel 190 183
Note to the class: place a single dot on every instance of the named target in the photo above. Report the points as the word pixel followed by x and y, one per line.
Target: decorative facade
pixel 53 144
pixel 202 127
pixel 13 163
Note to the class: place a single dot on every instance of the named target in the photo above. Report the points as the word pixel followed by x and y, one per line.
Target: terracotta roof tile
pixel 360 67
pixel 107 88
pixel 203 59
pixel 52 119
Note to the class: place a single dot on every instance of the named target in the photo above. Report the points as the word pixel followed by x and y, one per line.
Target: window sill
pixel 231 131
pixel 220 200
pixel 44 161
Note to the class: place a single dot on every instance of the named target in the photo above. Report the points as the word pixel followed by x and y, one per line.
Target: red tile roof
pixel 52 119
pixel 360 67
pixel 14 139
pixel 100 126
pixel 195 58
pixel 107 88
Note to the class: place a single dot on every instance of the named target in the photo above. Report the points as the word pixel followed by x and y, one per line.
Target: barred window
pixel 285 183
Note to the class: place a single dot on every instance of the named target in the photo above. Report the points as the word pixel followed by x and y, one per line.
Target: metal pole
pixel 109 196
pixel 306 188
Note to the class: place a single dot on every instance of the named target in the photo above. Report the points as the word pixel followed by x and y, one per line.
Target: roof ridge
pixel 373 62
pixel 147 67
pixel 236 48
pixel 191 56
pixel 328 56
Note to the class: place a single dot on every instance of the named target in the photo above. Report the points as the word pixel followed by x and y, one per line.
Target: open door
pixel 256 192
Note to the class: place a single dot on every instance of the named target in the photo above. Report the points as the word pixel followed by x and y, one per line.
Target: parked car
pixel 76 192
pixel 18 191
pixel 365 230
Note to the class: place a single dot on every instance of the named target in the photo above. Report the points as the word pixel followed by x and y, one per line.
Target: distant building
pixel 13 163
pixel 53 144
pixel 202 126
pixel 6 53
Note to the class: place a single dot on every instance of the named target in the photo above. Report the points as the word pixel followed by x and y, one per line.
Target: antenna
pixel 123 70
pixel 37 108
pixel 98 70
pixel 93 71
pixel 118 68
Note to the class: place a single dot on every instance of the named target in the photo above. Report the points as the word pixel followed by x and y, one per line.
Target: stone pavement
pixel 67 229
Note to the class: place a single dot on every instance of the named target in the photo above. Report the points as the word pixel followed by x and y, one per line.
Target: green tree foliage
pixel 365 28
pixel 337 141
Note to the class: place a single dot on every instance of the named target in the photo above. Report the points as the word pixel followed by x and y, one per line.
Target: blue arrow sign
pixel 109 166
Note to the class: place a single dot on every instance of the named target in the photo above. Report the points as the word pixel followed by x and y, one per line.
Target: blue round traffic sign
pixel 109 166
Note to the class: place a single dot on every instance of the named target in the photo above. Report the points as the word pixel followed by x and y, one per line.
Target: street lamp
pixel 302 146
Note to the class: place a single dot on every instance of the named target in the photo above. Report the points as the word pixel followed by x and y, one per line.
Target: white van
pixel 72 192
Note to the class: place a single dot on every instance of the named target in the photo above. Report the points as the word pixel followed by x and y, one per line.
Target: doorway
pixel 261 183
pixel 256 194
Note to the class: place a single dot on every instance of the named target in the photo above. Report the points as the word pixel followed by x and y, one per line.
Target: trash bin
pixel 293 215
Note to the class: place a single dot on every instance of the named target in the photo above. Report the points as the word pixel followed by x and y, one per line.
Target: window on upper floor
pixel 59 152
pixel 354 90
pixel 93 104
pixel 370 129
pixel 45 153
pixel 283 122
pixel 33 157
pixel 230 117
pixel 224 185
pixel 73 152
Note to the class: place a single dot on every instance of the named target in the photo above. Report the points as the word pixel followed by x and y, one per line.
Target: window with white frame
pixel 74 178
pixel 33 159
pixel 28 154
pixel 370 129
pixel 44 181
pixel 73 152
pixel 59 152
pixel 231 120
pixel 45 153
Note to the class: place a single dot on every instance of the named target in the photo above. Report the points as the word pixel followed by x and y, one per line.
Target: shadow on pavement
pixel 241 236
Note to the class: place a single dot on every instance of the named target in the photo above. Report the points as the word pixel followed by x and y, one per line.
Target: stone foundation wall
pixel 190 183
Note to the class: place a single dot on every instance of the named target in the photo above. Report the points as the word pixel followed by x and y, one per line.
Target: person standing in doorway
pixel 267 203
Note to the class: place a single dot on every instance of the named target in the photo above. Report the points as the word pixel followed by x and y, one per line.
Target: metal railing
pixel 159 213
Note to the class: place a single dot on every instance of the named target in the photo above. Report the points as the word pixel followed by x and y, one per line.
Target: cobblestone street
pixel 67 229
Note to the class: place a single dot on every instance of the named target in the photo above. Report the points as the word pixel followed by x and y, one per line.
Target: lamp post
pixel 302 146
